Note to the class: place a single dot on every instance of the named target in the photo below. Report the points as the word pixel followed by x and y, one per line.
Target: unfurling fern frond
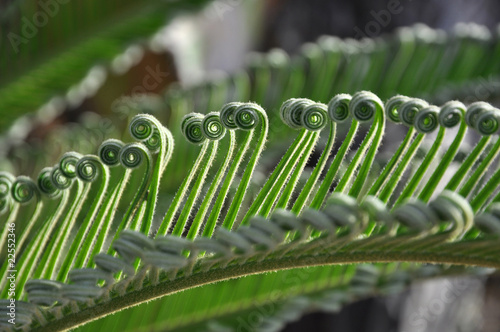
pixel 407 214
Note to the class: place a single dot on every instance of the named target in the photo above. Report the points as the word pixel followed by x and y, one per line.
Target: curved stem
pixel 313 179
pixel 138 197
pixel 150 292
pixel 164 156
pixel 205 205
pixel 485 193
pixel 385 176
pixel 480 170
pixel 295 177
pixel 195 191
pixel 214 215
pixel 327 182
pixel 467 164
pixel 181 193
pixel 112 206
pixel 387 192
pixel 68 222
pixel 79 240
pixel 27 268
pixel 26 232
pixel 364 169
pixel 452 150
pixel 412 185
pixel 232 213
pixel 278 177
pixel 360 153
pixel 5 230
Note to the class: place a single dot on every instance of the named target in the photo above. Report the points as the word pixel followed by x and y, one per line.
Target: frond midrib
pixel 444 254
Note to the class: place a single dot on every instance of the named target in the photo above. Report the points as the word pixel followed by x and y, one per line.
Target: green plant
pixel 110 243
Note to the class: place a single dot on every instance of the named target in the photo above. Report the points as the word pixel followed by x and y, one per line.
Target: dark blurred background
pixel 217 40
pixel 288 24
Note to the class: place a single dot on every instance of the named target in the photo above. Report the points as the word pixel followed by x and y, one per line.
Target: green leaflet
pixel 111 257
pixel 269 237
pixel 38 65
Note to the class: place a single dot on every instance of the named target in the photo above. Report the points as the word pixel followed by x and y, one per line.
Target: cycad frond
pixel 78 261
pixel 49 47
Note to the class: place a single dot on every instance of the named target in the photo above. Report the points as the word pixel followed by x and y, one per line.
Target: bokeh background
pixel 219 40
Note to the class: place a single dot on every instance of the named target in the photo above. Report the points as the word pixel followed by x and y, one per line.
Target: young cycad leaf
pixel 70 51
pixel 349 227
pixel 106 262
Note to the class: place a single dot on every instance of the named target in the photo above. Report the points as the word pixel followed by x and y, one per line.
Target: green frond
pixel 49 50
pixel 97 237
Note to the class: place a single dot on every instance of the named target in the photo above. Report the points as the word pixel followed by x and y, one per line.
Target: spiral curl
pixel 26 313
pixel 59 180
pixel 338 107
pixel 426 120
pixel 409 109
pixel 163 260
pixel 67 164
pixel 364 105
pixel 6 181
pixel 153 143
pixel 488 122
pixel 284 109
pixel 24 189
pixel 314 117
pixel 247 116
pixel 212 126
pixel 233 239
pixel 392 107
pixel 211 246
pixel 319 220
pixel 474 110
pixel 45 184
pixel 191 128
pixel 451 113
pixel 142 127
pixel 227 115
pixel 109 152
pixel 133 154
pixel 261 234
pixel 291 111
pixel 88 168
